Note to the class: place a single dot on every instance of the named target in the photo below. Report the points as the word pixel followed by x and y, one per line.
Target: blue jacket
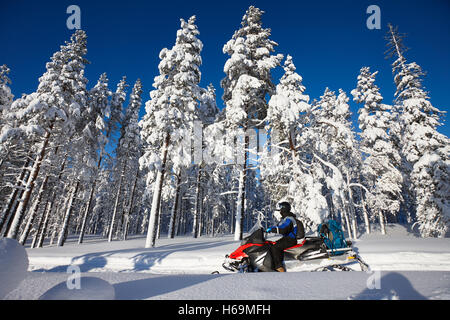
pixel 287 227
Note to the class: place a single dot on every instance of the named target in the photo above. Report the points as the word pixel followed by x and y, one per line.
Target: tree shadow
pixel 142 261
pixel 86 263
pixel 392 286
pixel 154 286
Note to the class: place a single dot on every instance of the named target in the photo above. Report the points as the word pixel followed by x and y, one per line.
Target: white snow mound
pixel 88 288
pixel 13 265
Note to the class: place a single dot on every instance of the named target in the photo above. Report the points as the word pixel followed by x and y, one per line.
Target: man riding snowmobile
pixel 255 253
pixel 290 228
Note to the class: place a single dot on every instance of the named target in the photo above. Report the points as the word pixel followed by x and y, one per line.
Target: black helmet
pixel 284 208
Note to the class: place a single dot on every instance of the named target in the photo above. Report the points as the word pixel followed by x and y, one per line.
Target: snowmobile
pixel 253 255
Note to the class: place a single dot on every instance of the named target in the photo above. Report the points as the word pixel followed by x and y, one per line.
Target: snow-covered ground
pixel 402 267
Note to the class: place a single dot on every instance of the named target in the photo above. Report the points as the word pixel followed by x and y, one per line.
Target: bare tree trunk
pixel 130 207
pixel 382 225
pixel 240 207
pixel 2 161
pixel 116 205
pixel 7 211
pixel 50 207
pixel 42 219
pixel 54 223
pixel 351 207
pixel 65 226
pixel 43 230
pixel 156 201
pixel 346 218
pixel 365 214
pixel 173 215
pixel 158 229
pixel 86 212
pixel 13 231
pixel 196 224
pixel 88 205
pixel 37 202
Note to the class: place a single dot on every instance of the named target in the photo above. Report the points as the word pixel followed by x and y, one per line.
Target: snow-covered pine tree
pixel 102 207
pixel 117 120
pixel 171 110
pixel 114 113
pixel 381 161
pixel 128 152
pixel 37 200
pixel 247 83
pixel 57 105
pixel 284 173
pixel 82 154
pixel 187 80
pixel 54 173
pixel 208 109
pixel 18 145
pixel 204 135
pixel 320 138
pixel 6 97
pixel 335 148
pixel 286 105
pixel 95 139
pixel 424 149
pixel 106 117
pixel 220 174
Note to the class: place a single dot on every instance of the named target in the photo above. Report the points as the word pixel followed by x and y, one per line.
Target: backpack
pixel 332 235
pixel 300 229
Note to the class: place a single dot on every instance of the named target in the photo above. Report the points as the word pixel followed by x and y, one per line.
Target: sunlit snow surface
pixel 403 267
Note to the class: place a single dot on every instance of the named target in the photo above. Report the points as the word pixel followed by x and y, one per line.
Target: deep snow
pixel 13 265
pixel 403 267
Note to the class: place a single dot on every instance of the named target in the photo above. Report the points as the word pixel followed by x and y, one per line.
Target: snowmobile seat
pixel 308 244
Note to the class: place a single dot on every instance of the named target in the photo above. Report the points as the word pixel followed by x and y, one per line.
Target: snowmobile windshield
pixel 255 237
pixel 257 226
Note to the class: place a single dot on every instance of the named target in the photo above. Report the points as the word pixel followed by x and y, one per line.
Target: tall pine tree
pixel 247 83
pixel 57 105
pixel 171 110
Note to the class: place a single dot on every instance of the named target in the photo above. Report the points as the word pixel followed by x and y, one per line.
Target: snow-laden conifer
pixel 247 83
pixel 380 167
pixel 171 110
pixel 6 97
pixel 285 174
pixel 128 152
pixel 56 105
pixel 335 148
pixel 425 150
pixel 95 139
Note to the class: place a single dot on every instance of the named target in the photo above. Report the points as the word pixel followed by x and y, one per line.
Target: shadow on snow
pixel 143 260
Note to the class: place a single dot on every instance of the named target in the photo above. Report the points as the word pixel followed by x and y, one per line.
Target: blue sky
pixel 329 40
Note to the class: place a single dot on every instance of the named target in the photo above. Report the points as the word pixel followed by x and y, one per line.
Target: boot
pixel 280 269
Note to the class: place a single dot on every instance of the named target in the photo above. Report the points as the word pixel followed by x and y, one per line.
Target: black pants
pixel 277 250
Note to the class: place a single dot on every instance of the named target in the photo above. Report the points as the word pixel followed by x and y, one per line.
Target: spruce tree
pixel 381 162
pixel 425 151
